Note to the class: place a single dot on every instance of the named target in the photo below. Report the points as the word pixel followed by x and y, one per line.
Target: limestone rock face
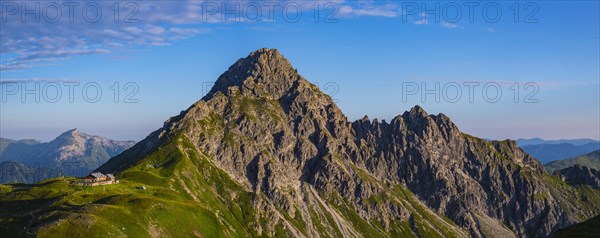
pixel 462 177
pixel 578 174
pixel 287 143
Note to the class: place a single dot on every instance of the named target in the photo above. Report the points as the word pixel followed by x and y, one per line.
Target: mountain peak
pixel 68 137
pixel 272 54
pixel 418 110
pixel 70 133
pixel 262 71
pixel 266 130
pixel 416 113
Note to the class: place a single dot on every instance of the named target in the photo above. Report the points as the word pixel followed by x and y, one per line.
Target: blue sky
pixel 367 56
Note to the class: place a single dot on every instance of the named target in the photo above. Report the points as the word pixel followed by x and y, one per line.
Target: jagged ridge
pixel 270 130
pixel 268 154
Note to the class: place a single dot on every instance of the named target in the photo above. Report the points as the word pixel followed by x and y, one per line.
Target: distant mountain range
pixel 6 142
pixel 551 150
pixel 590 160
pixel 267 154
pixel 15 172
pixel 70 154
pixel 539 141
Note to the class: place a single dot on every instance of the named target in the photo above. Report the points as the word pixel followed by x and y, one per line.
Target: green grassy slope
pixel 54 208
pixel 176 191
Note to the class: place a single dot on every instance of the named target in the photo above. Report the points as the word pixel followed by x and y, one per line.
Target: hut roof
pixel 97 175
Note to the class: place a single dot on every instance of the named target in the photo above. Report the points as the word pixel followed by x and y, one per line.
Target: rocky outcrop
pixel 581 175
pixel 287 143
pixel 463 177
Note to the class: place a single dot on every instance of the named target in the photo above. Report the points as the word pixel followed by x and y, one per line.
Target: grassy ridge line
pixel 121 209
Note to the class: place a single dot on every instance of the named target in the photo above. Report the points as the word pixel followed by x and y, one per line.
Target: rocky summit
pixel 267 154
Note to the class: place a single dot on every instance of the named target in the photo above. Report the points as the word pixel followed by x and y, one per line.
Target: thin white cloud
pixel 155 23
pixel 421 22
pixel 491 30
pixel 13 66
pixel 26 44
pixel 450 25
pixel 37 80
pixel 387 10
